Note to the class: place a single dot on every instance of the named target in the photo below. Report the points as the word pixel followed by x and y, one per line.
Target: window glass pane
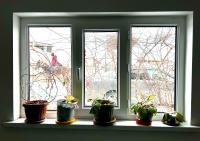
pixel 50 63
pixel 153 65
pixel 100 66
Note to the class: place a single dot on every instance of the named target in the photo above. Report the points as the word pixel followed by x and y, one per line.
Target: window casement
pixel 100 52
pixel 49 63
pixel 104 56
pixel 153 65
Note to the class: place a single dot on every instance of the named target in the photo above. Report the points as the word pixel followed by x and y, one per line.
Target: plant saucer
pixel 34 122
pixel 66 122
pixel 170 124
pixel 103 123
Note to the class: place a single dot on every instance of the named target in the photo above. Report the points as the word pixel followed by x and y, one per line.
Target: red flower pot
pixel 143 122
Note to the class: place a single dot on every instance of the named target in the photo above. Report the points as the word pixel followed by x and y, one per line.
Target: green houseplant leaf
pixel 144 110
pixel 172 119
pixel 149 98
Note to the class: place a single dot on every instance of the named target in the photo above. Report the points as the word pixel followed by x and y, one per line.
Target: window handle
pixel 129 68
pixel 78 70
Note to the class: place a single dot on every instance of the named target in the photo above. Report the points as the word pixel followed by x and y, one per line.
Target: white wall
pixel 7 7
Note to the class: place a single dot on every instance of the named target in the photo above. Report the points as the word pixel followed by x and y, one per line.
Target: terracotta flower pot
pixel 35 111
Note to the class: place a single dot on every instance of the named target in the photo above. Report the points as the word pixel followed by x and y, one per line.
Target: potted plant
pixel 65 110
pixel 103 112
pixel 39 88
pixel 144 111
pixel 172 119
pixel 35 110
pixel 42 78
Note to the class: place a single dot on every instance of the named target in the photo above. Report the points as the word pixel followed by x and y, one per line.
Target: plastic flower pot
pixel 35 111
pixel 105 113
pixel 102 110
pixel 145 119
pixel 143 122
pixel 65 111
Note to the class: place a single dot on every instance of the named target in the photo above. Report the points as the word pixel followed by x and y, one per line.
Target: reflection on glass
pixel 153 65
pixel 100 79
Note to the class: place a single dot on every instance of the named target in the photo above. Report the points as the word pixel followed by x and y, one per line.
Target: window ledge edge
pixel 127 125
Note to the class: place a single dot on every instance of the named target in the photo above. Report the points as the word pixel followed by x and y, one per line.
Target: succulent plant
pixel 173 119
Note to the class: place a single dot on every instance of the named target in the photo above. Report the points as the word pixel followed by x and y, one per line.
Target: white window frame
pixel 83 62
pixel 123 24
pixel 179 61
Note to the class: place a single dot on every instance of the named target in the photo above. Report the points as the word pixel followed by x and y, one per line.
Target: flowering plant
pixel 144 110
pixel 71 99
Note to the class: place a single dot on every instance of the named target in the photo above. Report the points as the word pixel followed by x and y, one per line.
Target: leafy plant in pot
pixel 144 111
pixel 42 77
pixel 35 108
pixel 103 112
pixel 173 119
pixel 65 110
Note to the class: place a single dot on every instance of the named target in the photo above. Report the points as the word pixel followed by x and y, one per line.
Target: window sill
pixel 119 125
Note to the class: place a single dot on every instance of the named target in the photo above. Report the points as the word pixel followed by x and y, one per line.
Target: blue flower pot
pixel 65 111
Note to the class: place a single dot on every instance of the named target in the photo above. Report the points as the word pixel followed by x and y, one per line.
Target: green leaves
pixel 136 107
pixel 94 109
pixel 179 117
pixel 149 98
pixel 143 109
pixel 97 103
pixel 173 119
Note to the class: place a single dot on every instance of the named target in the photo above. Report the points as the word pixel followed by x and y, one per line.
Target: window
pixel 50 63
pixel 153 68
pixel 100 63
pixel 122 58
